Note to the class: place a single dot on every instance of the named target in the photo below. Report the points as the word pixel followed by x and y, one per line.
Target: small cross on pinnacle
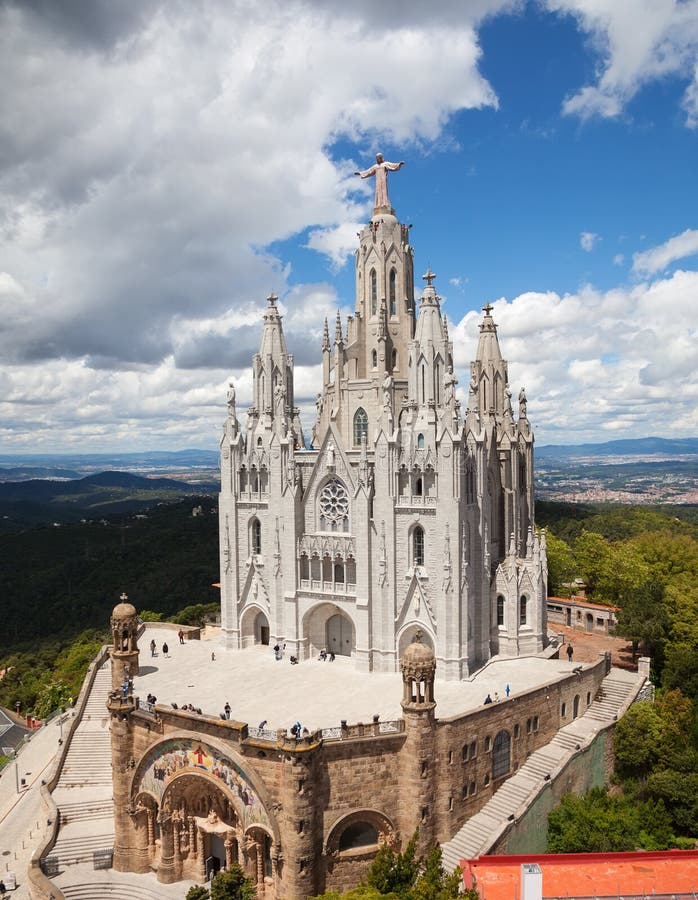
pixel 429 277
pixel 487 308
pixel 123 597
pixel 272 298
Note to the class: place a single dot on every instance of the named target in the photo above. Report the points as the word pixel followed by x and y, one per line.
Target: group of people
pixel 152 699
pixel 324 655
pixel 165 648
pixel 490 699
pixel 298 732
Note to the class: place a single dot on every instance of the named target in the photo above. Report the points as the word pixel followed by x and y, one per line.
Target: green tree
pixel 51 696
pixel 592 823
pixel 403 876
pixel 643 619
pixel 198 892
pixel 637 740
pixel 561 565
pixel 232 884
pixel 393 872
pixel 433 883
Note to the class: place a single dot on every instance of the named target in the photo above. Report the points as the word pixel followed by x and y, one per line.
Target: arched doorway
pixel 340 635
pixel 261 629
pixel 254 627
pixel 200 829
pixel 589 622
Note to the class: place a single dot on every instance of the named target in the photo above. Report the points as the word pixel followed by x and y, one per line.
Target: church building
pixel 405 512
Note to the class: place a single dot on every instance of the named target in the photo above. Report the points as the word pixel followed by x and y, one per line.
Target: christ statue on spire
pixel 380 170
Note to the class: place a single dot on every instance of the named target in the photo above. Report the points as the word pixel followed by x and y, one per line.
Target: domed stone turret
pixel 123 611
pixel 124 652
pixel 418 667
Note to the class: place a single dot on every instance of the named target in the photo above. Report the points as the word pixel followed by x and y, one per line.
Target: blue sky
pixel 163 168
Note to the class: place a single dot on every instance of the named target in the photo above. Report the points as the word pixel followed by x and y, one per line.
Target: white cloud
pixel 648 262
pixel 637 41
pixel 588 240
pixel 141 179
pixel 337 242
pixel 618 259
pixel 593 359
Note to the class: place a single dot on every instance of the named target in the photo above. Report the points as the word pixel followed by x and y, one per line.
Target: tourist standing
pixel 165 650
pixel 570 652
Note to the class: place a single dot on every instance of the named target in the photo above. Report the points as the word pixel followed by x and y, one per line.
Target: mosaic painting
pixel 181 756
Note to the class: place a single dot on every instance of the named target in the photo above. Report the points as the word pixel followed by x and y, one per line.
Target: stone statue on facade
pixel 380 169
pixel 522 403
pixel 231 399
pixel 450 382
pixel 387 390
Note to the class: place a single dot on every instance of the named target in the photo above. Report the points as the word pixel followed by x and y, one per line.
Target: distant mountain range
pixel 70 466
pixel 26 503
pixel 632 447
pixel 20 466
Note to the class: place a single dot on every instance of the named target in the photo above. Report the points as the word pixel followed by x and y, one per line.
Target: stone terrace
pixel 318 694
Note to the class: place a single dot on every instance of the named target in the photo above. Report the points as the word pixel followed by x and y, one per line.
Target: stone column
pixel 418 756
pixel 166 870
pixel 201 854
pixel 302 829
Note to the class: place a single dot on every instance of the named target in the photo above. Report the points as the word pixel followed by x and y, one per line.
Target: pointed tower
pixel 430 361
pixel 377 335
pixel 258 487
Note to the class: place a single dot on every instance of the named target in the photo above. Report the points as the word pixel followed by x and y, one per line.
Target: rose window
pixel 334 507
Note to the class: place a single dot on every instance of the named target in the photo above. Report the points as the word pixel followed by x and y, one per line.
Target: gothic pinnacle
pixel 326 337
pixel 338 339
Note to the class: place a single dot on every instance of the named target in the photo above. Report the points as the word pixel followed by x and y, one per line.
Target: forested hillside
pixel 58 581
pixel 645 561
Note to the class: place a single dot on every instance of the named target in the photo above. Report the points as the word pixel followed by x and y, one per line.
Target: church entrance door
pixel 340 635
pixel 217 846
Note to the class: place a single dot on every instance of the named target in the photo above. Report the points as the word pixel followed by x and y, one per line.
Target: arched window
pixel 358 834
pixel 373 281
pixel 423 384
pixel 419 487
pixel 256 536
pixel 418 546
pixel 360 425
pixel 500 610
pixel 420 441
pixel 393 359
pixel 334 507
pixel 522 610
pixel 374 359
pixel 391 292
pixel 501 754
pixel 575 706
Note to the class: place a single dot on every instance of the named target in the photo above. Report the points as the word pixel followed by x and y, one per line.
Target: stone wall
pixel 586 770
pixel 392 777
pixel 532 720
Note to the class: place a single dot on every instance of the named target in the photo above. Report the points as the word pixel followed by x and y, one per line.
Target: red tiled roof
pixel 587 874
pixel 580 601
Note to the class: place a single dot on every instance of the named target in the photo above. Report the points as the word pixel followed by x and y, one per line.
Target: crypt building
pixel 405 511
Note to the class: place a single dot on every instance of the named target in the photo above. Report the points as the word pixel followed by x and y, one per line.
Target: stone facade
pixel 406 513
pixel 309 814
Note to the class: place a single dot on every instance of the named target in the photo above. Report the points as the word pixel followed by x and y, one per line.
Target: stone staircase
pixel 122 891
pixel 84 791
pixel 617 691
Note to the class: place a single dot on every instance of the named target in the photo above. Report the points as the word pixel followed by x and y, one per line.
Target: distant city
pixel 641 471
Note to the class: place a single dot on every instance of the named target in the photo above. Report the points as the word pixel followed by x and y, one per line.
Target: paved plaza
pixel 318 694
